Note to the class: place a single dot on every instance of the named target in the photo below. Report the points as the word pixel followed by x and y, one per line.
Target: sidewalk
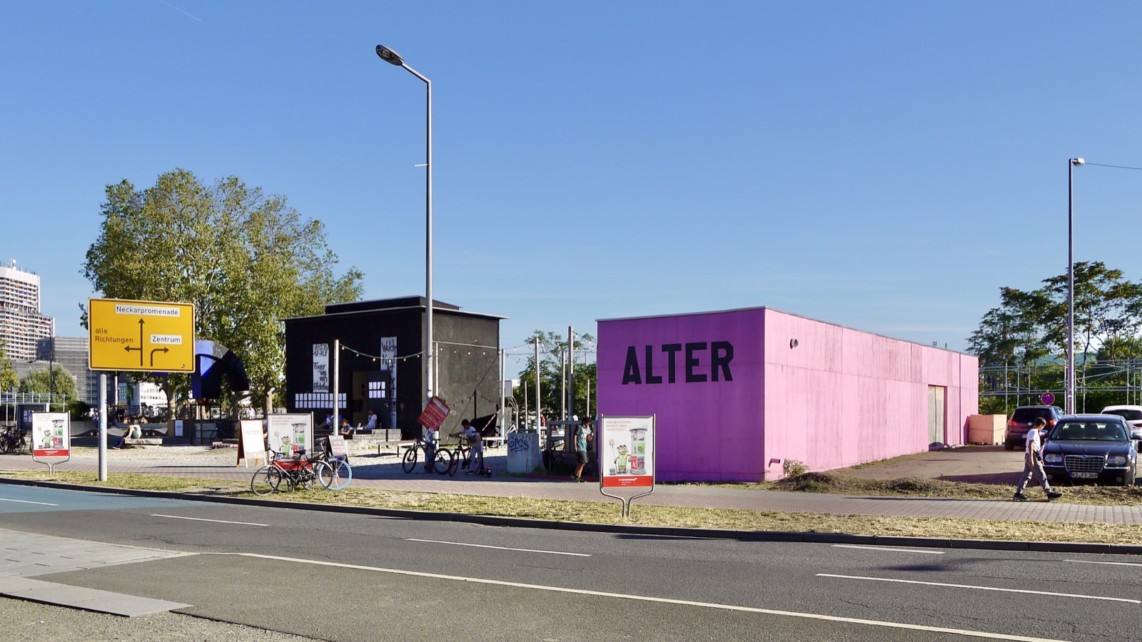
pixel 384 472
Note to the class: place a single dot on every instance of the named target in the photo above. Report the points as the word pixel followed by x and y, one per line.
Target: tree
pixel 58 382
pixel 245 260
pixel 1029 328
pixel 8 377
pixel 553 376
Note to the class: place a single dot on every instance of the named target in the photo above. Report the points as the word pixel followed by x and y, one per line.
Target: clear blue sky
pixel 886 166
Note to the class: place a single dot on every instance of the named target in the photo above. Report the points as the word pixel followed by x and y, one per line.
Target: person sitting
pixel 345 430
pixel 371 422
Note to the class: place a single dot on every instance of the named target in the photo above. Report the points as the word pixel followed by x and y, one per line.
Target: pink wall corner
pixel 707 430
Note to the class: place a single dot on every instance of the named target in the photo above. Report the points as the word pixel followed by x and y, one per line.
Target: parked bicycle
pixel 13 441
pixel 299 472
pixel 442 460
pixel 464 455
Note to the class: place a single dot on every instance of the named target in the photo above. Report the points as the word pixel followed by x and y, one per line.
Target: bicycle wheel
pixel 443 462
pixel 5 445
pixel 266 480
pixel 454 464
pixel 335 475
pixel 409 463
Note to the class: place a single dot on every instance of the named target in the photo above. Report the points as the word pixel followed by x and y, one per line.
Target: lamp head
pixel 1077 161
pixel 390 56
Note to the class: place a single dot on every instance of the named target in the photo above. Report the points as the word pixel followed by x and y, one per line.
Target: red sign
pixel 1047 398
pixel 434 414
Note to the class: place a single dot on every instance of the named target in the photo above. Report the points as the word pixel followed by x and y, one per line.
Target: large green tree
pixel 1029 328
pixel 244 259
pixel 557 383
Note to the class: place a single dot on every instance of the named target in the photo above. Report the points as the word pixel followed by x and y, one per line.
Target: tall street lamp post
pixel 390 56
pixel 1070 374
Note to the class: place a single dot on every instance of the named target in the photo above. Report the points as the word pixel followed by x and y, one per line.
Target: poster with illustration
pixel 626 451
pixel 290 435
pixel 51 434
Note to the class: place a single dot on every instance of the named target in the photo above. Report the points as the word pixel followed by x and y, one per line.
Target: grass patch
pixel 923 487
pixel 643 515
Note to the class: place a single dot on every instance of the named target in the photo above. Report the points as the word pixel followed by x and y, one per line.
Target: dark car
pixel 1021 421
pixel 1094 448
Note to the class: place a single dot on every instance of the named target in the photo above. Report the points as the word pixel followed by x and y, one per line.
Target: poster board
pixel 626 447
pixel 434 414
pixel 290 434
pixel 251 444
pixel 51 434
pixel 338 449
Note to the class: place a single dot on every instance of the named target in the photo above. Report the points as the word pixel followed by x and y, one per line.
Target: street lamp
pixel 1070 374
pixel 392 57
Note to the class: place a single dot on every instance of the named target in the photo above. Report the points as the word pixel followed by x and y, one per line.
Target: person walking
pixel 1033 463
pixel 582 435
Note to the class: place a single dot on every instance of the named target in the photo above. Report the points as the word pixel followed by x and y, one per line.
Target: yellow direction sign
pixel 147 336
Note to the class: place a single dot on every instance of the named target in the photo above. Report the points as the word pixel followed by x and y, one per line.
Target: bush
pixel 793 468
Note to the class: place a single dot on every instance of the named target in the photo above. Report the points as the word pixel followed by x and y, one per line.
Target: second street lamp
pixel 1069 402
pixel 392 57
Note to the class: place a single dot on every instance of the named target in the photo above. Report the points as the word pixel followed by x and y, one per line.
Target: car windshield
pixel 1128 414
pixel 1089 431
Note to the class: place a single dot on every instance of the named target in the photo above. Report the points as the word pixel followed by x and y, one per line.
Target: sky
pixel 886 166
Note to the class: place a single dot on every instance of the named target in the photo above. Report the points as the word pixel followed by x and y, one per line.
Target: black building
pixel 381 366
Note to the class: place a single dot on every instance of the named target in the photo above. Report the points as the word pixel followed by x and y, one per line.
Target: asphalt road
pixel 338 576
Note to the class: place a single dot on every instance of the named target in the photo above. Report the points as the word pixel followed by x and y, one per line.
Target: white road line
pixel 1107 563
pixel 982 588
pixel 24 501
pixel 502 548
pixel 661 600
pixel 202 519
pixel 891 549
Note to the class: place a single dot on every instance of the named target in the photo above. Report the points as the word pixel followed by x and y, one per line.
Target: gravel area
pixel 34 621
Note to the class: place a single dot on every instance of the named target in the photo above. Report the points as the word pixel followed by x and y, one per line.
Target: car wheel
pixel 1007 445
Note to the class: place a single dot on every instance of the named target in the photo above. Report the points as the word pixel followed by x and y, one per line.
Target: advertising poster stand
pixel 290 434
pixel 251 443
pixel 51 438
pixel 626 457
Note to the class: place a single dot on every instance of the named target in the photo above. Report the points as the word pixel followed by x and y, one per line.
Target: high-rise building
pixel 22 324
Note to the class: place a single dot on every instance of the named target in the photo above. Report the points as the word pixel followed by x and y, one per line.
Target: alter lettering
pixel 701 362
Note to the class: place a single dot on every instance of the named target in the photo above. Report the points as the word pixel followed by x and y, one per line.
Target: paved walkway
pixel 384 472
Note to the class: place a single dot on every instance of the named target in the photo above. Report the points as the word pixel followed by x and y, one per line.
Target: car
pixel 1092 448
pixel 1132 414
pixel 1022 419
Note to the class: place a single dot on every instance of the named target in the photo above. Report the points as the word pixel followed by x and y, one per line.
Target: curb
pixel 657 531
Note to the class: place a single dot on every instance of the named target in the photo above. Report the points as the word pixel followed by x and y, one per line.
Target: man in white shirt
pixel 371 422
pixel 1033 463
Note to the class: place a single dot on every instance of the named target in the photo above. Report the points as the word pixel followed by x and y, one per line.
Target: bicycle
pixel 442 461
pixel 464 455
pixel 296 472
pixel 13 441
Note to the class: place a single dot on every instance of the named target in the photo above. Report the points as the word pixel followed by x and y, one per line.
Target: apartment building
pixel 22 324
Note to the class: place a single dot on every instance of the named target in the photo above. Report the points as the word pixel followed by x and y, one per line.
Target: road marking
pixel 1107 563
pixel 659 600
pixel 982 588
pixel 24 501
pixel 203 519
pixel 891 549
pixel 502 548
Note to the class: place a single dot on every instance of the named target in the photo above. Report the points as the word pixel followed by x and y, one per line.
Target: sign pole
pixel 102 426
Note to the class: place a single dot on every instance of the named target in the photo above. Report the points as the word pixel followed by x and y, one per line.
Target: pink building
pixel 738 393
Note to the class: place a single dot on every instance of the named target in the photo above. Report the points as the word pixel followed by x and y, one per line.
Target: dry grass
pixel 738 520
